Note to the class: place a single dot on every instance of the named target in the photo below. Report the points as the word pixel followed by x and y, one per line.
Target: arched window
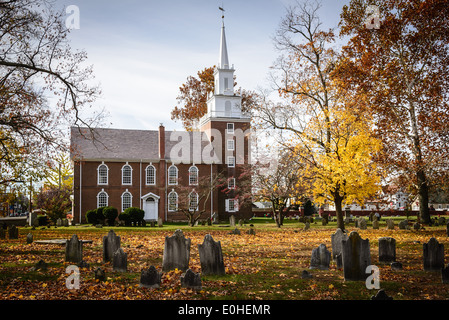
pixel 102 199
pixel 193 201
pixel 127 174
pixel 127 200
pixel 172 175
pixel 102 174
pixel 150 173
pixel 172 201
pixel 193 175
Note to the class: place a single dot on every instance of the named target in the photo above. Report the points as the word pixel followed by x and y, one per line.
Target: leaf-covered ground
pixel 267 265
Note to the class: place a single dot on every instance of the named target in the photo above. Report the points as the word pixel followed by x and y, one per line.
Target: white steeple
pixel 224 60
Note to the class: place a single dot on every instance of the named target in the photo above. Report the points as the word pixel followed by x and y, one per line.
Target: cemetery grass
pixel 264 266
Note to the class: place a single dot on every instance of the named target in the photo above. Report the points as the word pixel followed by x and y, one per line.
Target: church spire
pixel 224 60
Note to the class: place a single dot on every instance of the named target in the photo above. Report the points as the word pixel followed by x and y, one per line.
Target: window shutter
pixel 227 205
pixel 236 205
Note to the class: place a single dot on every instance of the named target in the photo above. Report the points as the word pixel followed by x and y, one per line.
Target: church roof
pixel 103 144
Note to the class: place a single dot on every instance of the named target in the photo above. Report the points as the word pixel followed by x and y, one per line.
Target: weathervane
pixel 221 8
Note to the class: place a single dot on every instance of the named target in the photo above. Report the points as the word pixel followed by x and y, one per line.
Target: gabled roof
pixel 135 145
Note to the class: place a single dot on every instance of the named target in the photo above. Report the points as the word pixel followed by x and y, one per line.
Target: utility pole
pixel 31 196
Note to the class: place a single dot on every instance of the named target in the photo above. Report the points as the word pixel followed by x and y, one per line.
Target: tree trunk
pixel 338 210
pixel 423 193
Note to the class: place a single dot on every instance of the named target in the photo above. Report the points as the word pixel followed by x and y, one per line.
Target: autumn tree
pixel 193 95
pixel 334 144
pixel 399 68
pixel 37 66
pixel 59 171
pixel 54 201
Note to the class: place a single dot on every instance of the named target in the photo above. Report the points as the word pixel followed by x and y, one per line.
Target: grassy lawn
pixel 267 265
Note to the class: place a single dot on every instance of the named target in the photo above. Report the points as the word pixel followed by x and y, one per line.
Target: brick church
pixel 147 168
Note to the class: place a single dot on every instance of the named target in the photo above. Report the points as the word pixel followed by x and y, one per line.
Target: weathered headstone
pixel 306 226
pixel 235 231
pixel 251 231
pixel 176 252
pixel 211 257
pixel 240 222
pixel 321 258
pixel 416 226
pixel 150 278
pixel 111 243
pixel 191 280
pixel 59 222
pixel 306 275
pixel 387 249
pixel 65 222
pixel 390 224
pixel 396 266
pixel 433 255
pixel 381 295
pixel 362 223
pixel 74 250
pixel 100 274
pixel 160 224
pixel 445 274
pixel 40 265
pixel 375 224
pixel 403 225
pixel 32 218
pixel 441 221
pixel 13 232
pixel 356 257
pixel 29 238
pixel 336 239
pixel 232 220
pixel 120 261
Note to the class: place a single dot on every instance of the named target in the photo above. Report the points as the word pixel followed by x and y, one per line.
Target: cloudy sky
pixel 143 50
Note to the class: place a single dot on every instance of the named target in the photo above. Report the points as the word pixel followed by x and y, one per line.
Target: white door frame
pixel 156 205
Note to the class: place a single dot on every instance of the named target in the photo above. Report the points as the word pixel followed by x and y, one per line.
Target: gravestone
pixel 356 257
pixel 403 225
pixel 306 275
pixel 59 222
pixel 120 260
pixel 150 278
pixel 375 224
pixel 211 257
pixel 381 295
pixel 13 232
pixel 65 222
pixel 160 224
pixel 441 220
pixel 390 224
pixel 176 252
pixel 445 274
pixel 251 231
pixel 306 226
pixel 32 218
pixel 416 226
pixel 396 266
pixel 321 258
pixel 362 223
pixel 111 243
pixel 29 238
pixel 447 229
pixel 40 265
pixel 433 255
pixel 240 222
pixel 235 231
pixel 232 221
pixel 191 280
pixel 100 274
pixel 387 249
pixel 74 250
pixel 336 239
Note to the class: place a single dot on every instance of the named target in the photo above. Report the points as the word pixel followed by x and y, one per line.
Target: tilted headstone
pixel 445 274
pixel 191 280
pixel 29 238
pixel 111 243
pixel 433 255
pixel 321 258
pixel 100 274
pixel 120 261
pixel 375 224
pixel 387 249
pixel 176 252
pixel 336 239
pixel 150 278
pixel 390 224
pixel 403 225
pixel 211 257
pixel 356 257
pixel 13 232
pixel 74 250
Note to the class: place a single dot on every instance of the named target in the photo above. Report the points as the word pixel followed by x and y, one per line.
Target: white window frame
pixel 147 171
pixel 228 130
pixel 130 199
pixel 172 193
pixel 170 183
pixel 102 192
pixel 197 173
pixel 127 165
pixel 231 162
pixel 197 204
pixel 98 174
pixel 235 206
pixel 231 185
pixel 230 145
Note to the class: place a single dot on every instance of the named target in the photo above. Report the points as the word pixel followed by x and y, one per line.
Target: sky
pixel 142 51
